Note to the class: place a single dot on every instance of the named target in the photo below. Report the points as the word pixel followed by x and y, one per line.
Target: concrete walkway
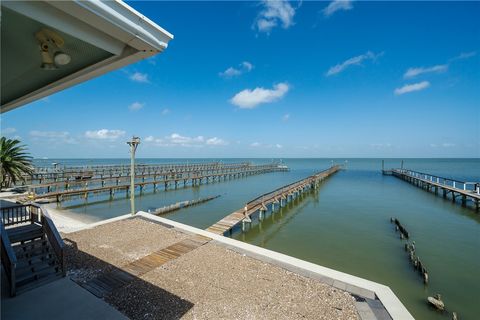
pixel 61 299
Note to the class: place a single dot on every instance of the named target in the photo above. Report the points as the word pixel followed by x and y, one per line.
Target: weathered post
pixel 133 147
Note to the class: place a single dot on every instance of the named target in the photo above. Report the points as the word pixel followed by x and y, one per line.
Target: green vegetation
pixel 15 162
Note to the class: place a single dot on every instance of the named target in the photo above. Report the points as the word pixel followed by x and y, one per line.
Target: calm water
pixel 345 224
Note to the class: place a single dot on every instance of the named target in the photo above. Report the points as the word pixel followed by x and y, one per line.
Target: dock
pixel 46 175
pixel 87 188
pixel 468 192
pixel 270 201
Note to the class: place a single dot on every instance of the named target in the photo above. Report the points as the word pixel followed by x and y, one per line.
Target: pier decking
pixel 279 197
pixel 466 191
pixel 51 175
pixel 110 185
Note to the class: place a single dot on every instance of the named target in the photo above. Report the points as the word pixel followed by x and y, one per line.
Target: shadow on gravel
pixel 131 295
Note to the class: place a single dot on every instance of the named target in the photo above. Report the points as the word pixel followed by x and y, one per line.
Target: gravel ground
pixel 92 251
pixel 210 282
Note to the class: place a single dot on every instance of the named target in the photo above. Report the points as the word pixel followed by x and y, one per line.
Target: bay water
pixel 344 225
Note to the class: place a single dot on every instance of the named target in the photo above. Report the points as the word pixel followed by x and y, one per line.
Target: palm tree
pixel 14 161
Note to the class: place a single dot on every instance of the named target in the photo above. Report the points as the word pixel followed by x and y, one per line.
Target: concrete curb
pixel 340 280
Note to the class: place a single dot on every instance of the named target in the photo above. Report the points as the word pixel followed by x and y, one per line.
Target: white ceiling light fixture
pixel 50 44
pixel 61 58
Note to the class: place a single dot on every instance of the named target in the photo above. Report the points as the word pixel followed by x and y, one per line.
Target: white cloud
pixel 274 13
pixel 355 61
pixel 247 65
pixel 249 99
pixel 8 131
pixel 413 72
pixel 255 144
pixel 231 72
pixel 337 5
pixel 175 140
pixel 105 134
pixel 278 146
pixel 464 55
pixel 216 142
pixel 139 77
pixel 53 136
pixel 136 106
pixel 286 117
pixel 412 87
pixel 165 111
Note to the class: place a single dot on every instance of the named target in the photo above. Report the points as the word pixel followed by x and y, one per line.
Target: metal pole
pixel 133 147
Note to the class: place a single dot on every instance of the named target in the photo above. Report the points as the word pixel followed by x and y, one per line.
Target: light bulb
pixel 61 58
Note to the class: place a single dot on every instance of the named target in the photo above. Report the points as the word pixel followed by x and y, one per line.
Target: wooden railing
pixel 448 182
pixel 31 213
pixel 266 197
pixel 18 215
pixel 55 239
pixel 9 260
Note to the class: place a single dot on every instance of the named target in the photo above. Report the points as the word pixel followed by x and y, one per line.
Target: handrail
pixel 282 189
pixel 409 172
pixel 54 238
pixel 15 215
pixel 190 172
pixel 9 259
pixel 80 169
pixel 76 191
pixel 433 175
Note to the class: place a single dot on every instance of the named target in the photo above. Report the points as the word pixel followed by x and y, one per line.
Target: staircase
pixel 32 250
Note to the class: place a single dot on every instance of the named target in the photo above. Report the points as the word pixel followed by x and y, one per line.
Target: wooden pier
pixel 144 173
pixel 190 178
pixel 449 188
pixel 45 175
pixel 270 201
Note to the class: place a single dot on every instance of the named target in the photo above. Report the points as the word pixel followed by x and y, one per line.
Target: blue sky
pixel 279 79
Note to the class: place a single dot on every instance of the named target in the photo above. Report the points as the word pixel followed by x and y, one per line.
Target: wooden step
pixel 34 263
pixel 42 271
pixel 25 233
pixel 31 245
pixel 33 253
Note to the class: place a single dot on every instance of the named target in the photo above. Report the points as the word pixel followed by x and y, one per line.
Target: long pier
pixel 178 173
pixel 466 191
pixel 270 201
pixel 192 180
pixel 44 175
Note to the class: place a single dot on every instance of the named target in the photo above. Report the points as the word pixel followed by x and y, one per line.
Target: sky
pixel 278 79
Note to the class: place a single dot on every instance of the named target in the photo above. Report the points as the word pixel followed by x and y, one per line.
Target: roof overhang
pixel 110 33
